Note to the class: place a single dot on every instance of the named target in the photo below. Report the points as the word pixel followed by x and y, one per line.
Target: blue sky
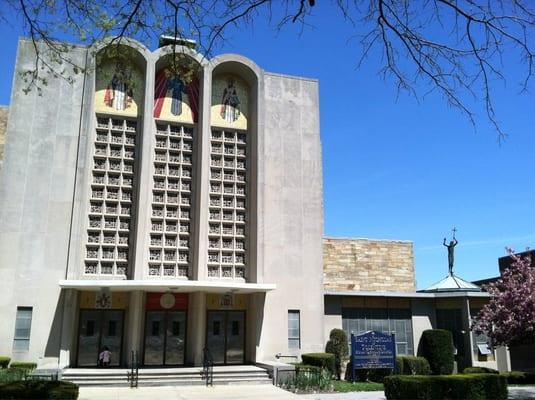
pixel 395 168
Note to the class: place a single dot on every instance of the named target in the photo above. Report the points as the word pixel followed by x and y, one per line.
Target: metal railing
pixel 132 376
pixel 208 367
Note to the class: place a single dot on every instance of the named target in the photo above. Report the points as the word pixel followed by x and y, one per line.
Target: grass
pixel 345 386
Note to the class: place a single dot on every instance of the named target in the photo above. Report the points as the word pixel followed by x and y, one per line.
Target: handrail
pixel 208 367
pixel 133 375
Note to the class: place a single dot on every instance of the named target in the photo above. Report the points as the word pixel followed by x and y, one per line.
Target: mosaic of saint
pixel 119 89
pixel 175 98
pixel 229 102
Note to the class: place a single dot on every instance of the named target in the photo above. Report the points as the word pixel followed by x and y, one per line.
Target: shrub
pixel 29 366
pixel 437 347
pixel 337 345
pixel 465 386
pixel 322 360
pixel 12 374
pixel 367 375
pixel 519 378
pixel 410 365
pixel 4 361
pixel 479 370
pixel 308 378
pixel 39 390
pixel 306 368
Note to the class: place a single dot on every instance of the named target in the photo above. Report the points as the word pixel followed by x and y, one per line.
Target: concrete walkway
pixel 521 392
pixel 221 392
pixel 345 396
pixel 243 392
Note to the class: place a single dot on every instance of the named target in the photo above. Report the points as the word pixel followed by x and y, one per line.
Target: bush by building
pixel 436 345
pixel 479 370
pixel 432 387
pixel 410 365
pixel 39 390
pixel 322 360
pixel 367 375
pixel 337 345
pixel 4 361
pixel 28 366
pixel 519 378
pixel 308 378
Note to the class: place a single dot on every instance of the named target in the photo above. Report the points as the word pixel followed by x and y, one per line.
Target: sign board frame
pixel 372 350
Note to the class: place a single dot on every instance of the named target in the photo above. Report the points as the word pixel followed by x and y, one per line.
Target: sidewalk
pixel 220 392
pixel 243 392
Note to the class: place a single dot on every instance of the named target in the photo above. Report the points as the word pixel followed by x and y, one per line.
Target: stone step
pixel 252 375
pixel 167 376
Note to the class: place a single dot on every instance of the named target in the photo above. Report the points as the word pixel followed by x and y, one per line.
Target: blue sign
pixel 372 350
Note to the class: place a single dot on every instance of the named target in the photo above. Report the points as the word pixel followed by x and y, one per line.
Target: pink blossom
pixel 509 317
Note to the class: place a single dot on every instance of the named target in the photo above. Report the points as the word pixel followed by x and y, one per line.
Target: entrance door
pixel 225 336
pixel 99 329
pixel 165 334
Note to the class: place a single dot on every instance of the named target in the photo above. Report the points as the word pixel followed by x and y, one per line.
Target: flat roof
pixel 424 295
pixel 164 285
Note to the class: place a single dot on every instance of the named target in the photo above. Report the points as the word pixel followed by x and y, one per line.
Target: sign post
pixel 372 350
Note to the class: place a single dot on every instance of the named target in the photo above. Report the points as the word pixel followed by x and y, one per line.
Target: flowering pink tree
pixel 509 317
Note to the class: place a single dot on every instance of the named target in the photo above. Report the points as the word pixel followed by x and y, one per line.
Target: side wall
pixel 36 195
pixel 290 223
pixel 3 127
pixel 369 265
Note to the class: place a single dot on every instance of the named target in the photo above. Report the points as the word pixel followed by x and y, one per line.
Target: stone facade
pixel 368 265
pixel 3 129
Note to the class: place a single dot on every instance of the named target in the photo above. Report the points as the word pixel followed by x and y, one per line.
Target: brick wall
pixel 3 128
pixel 368 265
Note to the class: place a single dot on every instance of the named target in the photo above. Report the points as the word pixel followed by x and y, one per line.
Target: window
pixel 23 325
pixel 360 320
pixel 294 329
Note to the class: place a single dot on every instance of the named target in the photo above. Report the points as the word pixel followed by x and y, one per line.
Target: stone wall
pixel 368 265
pixel 3 129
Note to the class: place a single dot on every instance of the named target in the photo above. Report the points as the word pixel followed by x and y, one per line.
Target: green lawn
pixel 345 386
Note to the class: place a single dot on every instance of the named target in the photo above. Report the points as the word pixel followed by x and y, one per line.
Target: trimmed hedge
pixel 337 345
pixel 322 360
pixel 367 375
pixel 30 366
pixel 519 378
pixel 479 370
pixel 447 387
pixel 4 361
pixel 410 365
pixel 39 390
pixel 437 347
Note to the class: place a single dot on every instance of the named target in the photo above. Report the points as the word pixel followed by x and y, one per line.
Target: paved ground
pixel 521 392
pixel 243 392
pixel 221 392
pixel 345 396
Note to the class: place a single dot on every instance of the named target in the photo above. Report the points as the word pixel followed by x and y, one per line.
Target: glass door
pixel 88 338
pixel 176 336
pixel 154 337
pixel 225 336
pixel 99 329
pixel 215 335
pixel 165 336
pixel 235 331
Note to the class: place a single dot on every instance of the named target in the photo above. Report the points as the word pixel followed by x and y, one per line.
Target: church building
pixel 166 204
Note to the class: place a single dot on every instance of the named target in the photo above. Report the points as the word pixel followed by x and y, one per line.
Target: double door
pixel 225 336
pixel 165 336
pixel 99 330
